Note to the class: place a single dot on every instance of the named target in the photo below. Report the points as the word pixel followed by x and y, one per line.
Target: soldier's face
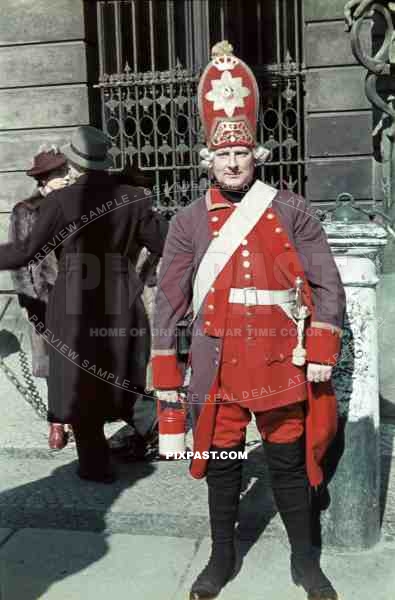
pixel 233 167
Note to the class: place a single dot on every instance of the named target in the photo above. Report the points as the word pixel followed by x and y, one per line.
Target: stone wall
pixel 46 58
pixel 338 116
pixel 44 92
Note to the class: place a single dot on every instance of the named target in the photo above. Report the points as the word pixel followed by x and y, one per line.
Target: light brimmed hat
pixel 88 148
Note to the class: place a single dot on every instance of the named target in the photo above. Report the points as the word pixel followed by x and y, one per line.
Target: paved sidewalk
pixel 64 565
pixel 146 536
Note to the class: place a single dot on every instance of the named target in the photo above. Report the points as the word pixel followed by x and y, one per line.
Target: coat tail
pixel 321 428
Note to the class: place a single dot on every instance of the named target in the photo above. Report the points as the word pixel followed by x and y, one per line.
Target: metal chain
pixel 30 391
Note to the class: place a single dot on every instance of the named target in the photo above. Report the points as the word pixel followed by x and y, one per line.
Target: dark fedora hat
pixel 45 162
pixel 88 148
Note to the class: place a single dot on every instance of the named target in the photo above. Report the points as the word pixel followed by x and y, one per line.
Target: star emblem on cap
pixel 227 93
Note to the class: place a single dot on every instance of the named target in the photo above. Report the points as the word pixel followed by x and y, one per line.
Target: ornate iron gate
pixel 151 54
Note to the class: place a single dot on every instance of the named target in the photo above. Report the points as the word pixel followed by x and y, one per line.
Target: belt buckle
pixel 249 302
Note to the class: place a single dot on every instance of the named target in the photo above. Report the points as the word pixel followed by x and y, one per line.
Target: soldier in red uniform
pixel 268 303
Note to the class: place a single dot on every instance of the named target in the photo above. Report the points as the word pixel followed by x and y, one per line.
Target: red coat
pixel 277 246
pixel 256 362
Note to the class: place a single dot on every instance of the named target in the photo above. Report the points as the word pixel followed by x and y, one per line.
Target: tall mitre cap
pixel 228 99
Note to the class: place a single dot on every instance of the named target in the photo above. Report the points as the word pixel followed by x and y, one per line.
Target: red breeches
pixel 279 425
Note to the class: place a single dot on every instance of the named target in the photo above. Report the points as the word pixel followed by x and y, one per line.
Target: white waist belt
pixel 251 296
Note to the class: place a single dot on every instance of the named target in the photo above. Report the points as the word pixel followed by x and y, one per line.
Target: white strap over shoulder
pixel 235 229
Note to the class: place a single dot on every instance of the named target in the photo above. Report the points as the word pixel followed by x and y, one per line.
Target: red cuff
pixel 165 372
pixel 322 345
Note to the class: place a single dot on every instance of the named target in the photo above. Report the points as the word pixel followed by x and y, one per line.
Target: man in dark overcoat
pixel 268 303
pixel 97 330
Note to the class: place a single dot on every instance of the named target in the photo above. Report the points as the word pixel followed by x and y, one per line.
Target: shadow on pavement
pixel 59 502
pixel 387 432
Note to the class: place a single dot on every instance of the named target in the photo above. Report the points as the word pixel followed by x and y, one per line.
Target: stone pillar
pixel 352 520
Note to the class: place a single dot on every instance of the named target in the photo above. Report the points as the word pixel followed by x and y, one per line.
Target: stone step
pixel 149 498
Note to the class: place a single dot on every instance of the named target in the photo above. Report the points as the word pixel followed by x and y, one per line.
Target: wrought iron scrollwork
pixel 151 117
pixel 380 63
pixel 358 8
pixel 378 66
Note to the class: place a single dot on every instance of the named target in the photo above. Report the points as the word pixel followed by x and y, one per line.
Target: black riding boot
pixel 291 491
pixel 224 486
